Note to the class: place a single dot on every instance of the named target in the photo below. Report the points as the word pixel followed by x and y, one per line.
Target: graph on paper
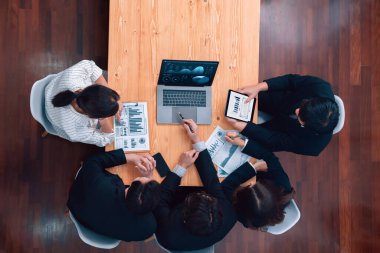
pixel 131 132
pixel 226 156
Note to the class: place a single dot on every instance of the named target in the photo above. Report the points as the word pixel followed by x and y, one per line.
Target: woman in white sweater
pixel 80 106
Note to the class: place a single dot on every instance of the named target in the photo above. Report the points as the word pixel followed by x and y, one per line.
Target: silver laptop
pixel 185 87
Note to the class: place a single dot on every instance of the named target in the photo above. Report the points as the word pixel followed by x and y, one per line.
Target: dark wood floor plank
pixel 337 193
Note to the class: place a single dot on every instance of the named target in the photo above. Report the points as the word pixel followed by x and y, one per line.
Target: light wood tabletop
pixel 144 32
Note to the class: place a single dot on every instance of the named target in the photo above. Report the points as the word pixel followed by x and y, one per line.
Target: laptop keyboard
pixel 196 98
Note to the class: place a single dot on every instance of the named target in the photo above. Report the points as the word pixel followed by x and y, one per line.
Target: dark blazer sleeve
pixel 97 163
pixel 311 86
pixel 273 140
pixel 168 188
pixel 208 174
pixel 237 177
pixel 275 171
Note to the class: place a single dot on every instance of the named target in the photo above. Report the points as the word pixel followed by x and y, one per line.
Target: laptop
pixel 184 87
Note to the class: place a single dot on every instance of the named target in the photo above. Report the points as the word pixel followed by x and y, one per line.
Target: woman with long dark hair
pixel 260 203
pixel 80 106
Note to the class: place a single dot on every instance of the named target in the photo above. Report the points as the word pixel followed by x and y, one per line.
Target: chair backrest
pixel 205 250
pixel 263 117
pixel 37 103
pixel 342 114
pixel 292 215
pixel 94 239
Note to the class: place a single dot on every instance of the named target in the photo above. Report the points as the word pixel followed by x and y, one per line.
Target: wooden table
pixel 143 32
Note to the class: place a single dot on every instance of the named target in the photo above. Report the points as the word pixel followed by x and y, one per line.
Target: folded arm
pixel 270 139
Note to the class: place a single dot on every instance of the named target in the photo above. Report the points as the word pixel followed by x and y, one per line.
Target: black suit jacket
pixel 171 231
pixel 275 171
pixel 283 133
pixel 97 201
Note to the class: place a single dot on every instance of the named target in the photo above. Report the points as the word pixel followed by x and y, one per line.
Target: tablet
pixel 236 107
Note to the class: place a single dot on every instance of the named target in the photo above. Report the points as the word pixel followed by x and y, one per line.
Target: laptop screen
pixel 187 73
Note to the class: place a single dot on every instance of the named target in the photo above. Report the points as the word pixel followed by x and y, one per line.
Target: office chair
pixel 292 215
pixel 37 104
pixel 342 115
pixel 91 238
pixel 263 117
pixel 205 250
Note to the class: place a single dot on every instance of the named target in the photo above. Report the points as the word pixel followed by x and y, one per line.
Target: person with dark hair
pixel 304 114
pixel 202 218
pixel 100 201
pixel 261 203
pixel 80 105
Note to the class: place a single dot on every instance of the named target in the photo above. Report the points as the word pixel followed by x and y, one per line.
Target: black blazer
pixel 275 171
pixel 283 133
pixel 171 232
pixel 97 201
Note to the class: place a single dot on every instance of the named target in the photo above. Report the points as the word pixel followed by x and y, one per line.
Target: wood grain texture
pixel 337 193
pixel 143 33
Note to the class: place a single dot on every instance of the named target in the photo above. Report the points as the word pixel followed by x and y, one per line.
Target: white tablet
pixel 236 107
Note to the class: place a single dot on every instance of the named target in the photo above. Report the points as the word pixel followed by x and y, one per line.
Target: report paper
pixel 132 133
pixel 225 155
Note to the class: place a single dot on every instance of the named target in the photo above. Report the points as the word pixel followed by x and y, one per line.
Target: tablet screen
pixel 237 108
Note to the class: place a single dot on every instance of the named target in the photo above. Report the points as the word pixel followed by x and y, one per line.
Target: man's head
pixel 319 114
pixel 143 195
pixel 202 215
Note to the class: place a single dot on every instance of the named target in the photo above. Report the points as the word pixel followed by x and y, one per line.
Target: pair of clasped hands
pixel 145 164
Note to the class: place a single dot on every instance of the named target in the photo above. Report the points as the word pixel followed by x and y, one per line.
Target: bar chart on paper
pixel 131 132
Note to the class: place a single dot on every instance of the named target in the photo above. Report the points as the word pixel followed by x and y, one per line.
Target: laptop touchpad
pixel 187 113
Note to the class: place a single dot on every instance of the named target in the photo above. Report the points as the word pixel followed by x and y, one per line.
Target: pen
pixel 182 118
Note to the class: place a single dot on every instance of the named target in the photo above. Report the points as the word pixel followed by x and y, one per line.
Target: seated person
pixel 80 106
pixel 262 203
pixel 101 202
pixel 304 114
pixel 202 218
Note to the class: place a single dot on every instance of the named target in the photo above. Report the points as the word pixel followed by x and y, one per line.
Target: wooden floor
pixel 337 193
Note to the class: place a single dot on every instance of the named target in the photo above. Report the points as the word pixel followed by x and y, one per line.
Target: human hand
pixel 188 158
pixel 260 165
pixel 253 90
pixel 144 163
pixel 191 129
pixel 238 125
pixel 234 138
pixel 119 112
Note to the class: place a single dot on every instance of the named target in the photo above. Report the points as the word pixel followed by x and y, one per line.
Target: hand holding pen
pixel 191 129
pixel 234 138
pixel 180 116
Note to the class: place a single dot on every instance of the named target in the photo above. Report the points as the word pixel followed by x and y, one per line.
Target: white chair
pixel 205 250
pixel 342 115
pixel 94 239
pixel 263 117
pixel 91 238
pixel 37 103
pixel 292 215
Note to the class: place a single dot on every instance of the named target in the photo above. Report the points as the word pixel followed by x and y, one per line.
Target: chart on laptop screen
pixel 174 72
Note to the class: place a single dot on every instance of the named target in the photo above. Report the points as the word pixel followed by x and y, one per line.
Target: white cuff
pixel 253 167
pixel 179 170
pixel 245 144
pixel 199 146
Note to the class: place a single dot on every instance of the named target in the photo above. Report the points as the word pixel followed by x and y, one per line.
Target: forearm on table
pixel 101 80
pixel 106 125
